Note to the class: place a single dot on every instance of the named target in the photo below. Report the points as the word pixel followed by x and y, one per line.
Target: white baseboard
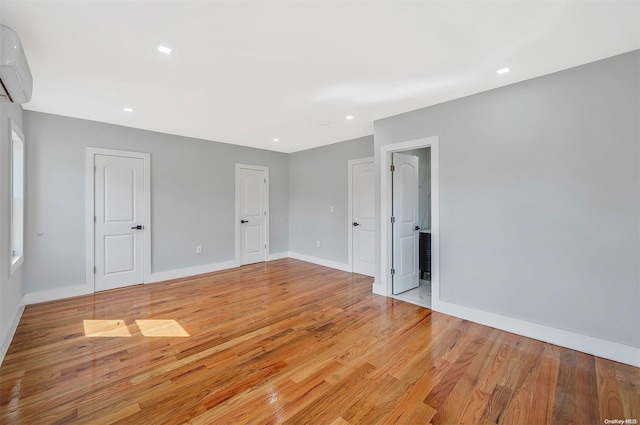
pixel 54 294
pixel 191 271
pixel 321 261
pixel 278 256
pixel 207 268
pixel 584 343
pixel 74 291
pixel 6 340
pixel 378 289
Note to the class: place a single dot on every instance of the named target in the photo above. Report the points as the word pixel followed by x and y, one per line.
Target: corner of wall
pixel 5 342
pixel 377 289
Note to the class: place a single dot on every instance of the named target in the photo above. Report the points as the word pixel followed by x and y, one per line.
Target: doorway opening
pixel 409 219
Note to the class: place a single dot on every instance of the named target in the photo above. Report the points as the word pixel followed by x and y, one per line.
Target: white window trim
pixel 16 134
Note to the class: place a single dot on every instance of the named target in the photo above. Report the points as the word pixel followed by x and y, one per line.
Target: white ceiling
pixel 247 72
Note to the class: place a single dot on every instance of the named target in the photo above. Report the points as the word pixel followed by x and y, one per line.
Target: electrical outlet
pixel 199 249
pixel 318 244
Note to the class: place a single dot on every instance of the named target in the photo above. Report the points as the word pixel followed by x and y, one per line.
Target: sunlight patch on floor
pixel 106 328
pixel 161 328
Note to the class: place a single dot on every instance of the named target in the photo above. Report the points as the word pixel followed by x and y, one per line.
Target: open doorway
pixel 409 198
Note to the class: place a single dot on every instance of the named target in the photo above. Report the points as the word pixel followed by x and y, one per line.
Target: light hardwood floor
pixel 291 342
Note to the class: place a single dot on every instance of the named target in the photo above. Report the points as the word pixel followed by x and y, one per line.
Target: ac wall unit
pixel 16 83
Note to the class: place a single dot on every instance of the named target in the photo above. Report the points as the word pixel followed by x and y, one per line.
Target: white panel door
pixel 363 210
pixel 253 215
pixel 119 221
pixel 405 228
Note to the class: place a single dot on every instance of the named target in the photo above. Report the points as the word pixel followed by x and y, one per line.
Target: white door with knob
pixel 252 194
pixel 363 216
pixel 119 218
pixel 405 228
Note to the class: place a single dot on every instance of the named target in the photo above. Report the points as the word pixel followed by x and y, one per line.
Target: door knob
pixel 417 227
pixel 356 224
pixel 138 227
pixel 244 221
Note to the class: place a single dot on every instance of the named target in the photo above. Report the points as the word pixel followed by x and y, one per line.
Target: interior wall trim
pixel 587 344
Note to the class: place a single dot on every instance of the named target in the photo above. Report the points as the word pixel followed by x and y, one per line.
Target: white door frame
pixel 385 214
pixel 350 165
pixel 237 214
pixel 90 212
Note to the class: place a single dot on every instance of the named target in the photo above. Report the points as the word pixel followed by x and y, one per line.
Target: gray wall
pixel 540 197
pixel 10 285
pixel 318 179
pixel 192 197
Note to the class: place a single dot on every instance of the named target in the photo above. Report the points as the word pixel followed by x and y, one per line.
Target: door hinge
pixel 95 220
pixel 393 219
pixel 95 168
pixel 265 246
pixel 265 213
pixel 393 271
pixel 265 179
pixel 393 168
pixel 94 270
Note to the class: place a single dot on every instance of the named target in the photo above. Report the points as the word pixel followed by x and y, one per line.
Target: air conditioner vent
pixel 16 82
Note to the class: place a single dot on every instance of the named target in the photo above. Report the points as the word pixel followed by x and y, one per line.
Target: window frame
pixel 17 199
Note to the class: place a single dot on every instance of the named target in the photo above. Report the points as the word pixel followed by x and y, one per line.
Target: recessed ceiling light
pixel 324 122
pixel 276 140
pixel 348 117
pixel 163 49
pixel 503 70
pixel 127 109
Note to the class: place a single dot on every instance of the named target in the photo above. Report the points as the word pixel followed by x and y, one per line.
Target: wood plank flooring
pixel 294 343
